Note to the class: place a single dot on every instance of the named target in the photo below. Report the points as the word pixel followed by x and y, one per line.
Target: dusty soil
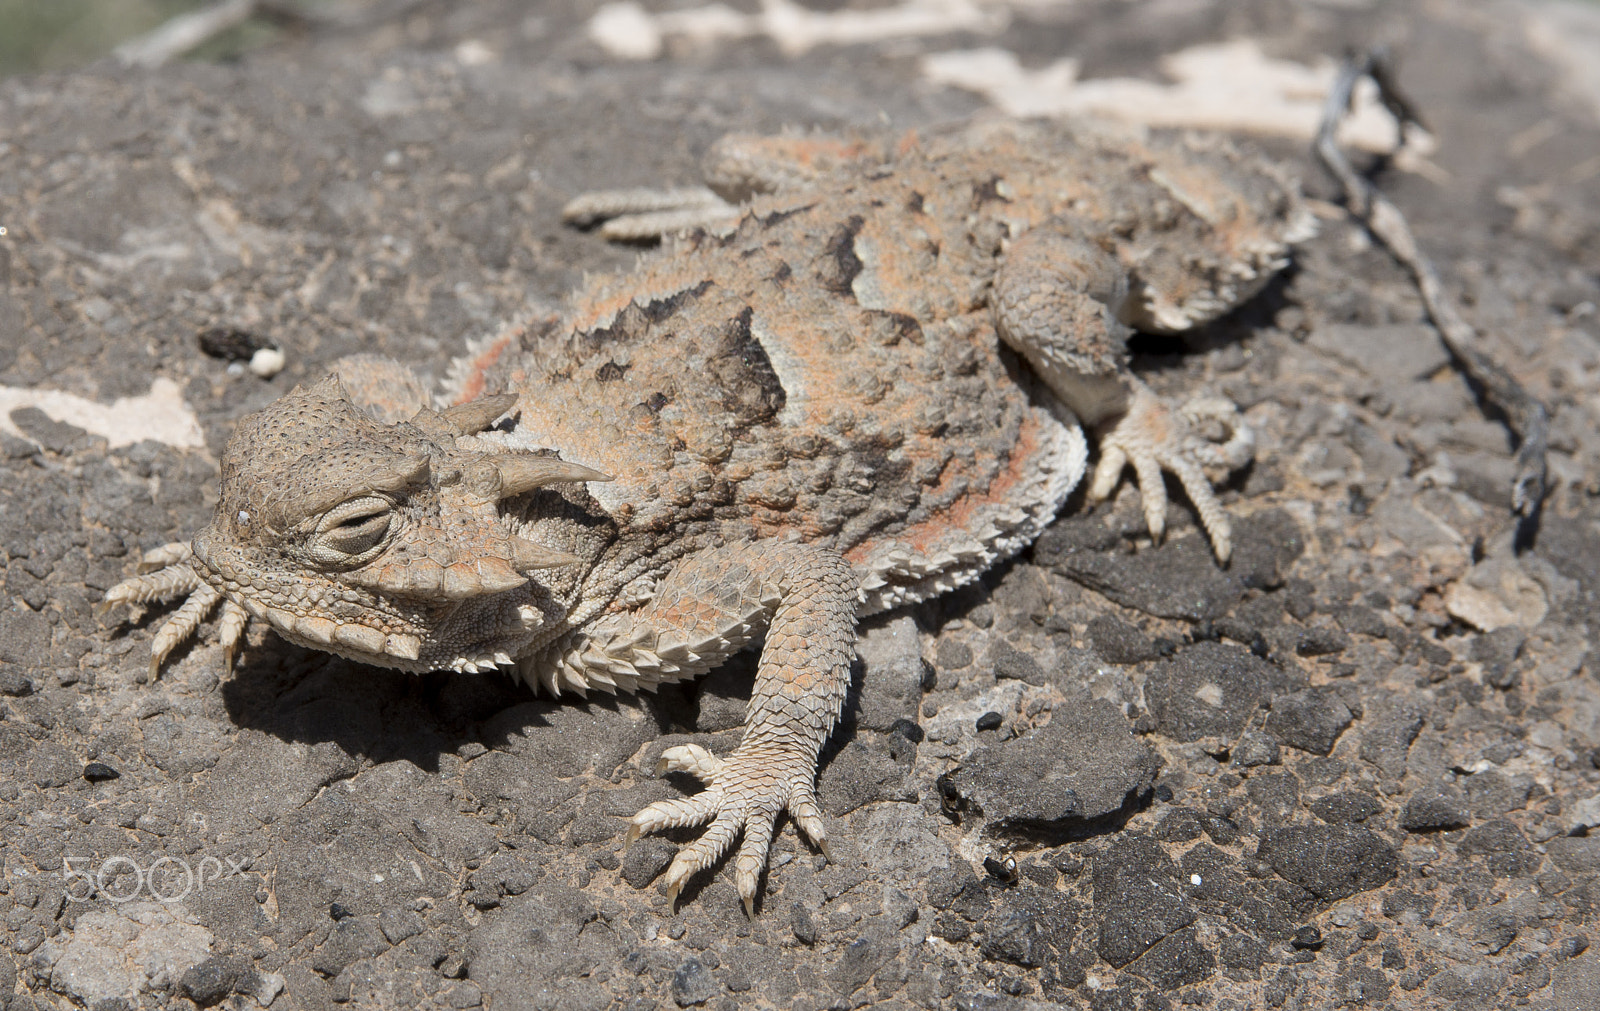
pixel 1356 768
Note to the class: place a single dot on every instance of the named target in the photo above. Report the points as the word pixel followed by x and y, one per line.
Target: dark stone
pixel 947 886
pixel 212 980
pixel 990 721
pixel 1137 898
pixel 952 655
pixel 1016 940
pixel 1346 808
pixel 909 730
pixel 1492 793
pixel 1398 903
pixel 399 924
pixel 1178 578
pixel 1359 620
pixel 352 938
pixel 231 344
pixel 860 959
pixel 1277 795
pixel 95 772
pixel 1432 812
pixel 693 983
pixel 1308 936
pixel 1083 764
pixel 1211 690
pixel 1463 987
pixel 1576 854
pixel 646 859
pixel 1506 851
pixel 13 682
pixel 1309 720
pixel 1179 824
pixel 803 924
pixel 1362 985
pixel 1174 961
pixel 1495 651
pixel 1119 642
pixel 892 678
pixel 1255 749
pixel 1013 663
pixel 1386 740
pixel 1241 951
pixel 870 768
pixel 1321 642
pixel 1223 831
pixel 1329 861
pixel 55 436
pixel 53 766
pixel 1030 927
pixel 564 740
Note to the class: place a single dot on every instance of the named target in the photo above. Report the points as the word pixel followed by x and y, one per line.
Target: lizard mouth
pixel 321 617
pixel 380 629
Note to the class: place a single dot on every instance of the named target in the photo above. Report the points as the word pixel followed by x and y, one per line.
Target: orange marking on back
pixel 923 537
pixel 472 387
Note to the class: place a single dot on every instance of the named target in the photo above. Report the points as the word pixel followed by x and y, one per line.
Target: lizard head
pixel 384 543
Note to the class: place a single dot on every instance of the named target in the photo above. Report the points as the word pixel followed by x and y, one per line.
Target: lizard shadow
pixel 380 715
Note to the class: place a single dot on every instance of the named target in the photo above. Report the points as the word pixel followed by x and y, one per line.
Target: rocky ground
pixel 1357 767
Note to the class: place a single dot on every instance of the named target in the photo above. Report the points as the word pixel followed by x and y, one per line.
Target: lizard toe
pixel 743 797
pixel 1154 438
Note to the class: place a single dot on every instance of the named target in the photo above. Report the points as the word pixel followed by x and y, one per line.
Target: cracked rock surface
pixel 1356 768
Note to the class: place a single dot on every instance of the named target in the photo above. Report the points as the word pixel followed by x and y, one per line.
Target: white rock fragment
pixel 160 415
pixel 1495 593
pixel 133 948
pixel 628 32
pixel 267 362
pixel 1583 815
pixel 1229 86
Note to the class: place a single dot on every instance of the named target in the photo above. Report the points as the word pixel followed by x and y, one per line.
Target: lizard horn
pixel 526 554
pixel 474 416
pixel 519 474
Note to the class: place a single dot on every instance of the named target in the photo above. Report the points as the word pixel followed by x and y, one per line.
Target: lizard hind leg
pixel 706 609
pixel 737 168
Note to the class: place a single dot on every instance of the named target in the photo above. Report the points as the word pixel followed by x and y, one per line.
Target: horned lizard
pixel 817 412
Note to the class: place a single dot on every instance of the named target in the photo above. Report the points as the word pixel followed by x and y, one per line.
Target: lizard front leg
pixel 708 608
pixel 1059 301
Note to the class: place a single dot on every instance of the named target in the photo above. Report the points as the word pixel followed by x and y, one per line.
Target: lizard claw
pixel 1152 437
pixel 165 573
pixel 744 796
pixel 638 215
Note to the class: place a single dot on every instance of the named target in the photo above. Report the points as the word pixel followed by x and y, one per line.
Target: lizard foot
pixel 1153 437
pixel 745 792
pixel 165 573
pixel 640 215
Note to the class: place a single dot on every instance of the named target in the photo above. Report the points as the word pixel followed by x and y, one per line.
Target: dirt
pixel 1355 768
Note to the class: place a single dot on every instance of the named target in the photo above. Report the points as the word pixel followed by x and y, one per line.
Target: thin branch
pixel 179 35
pixel 1529 419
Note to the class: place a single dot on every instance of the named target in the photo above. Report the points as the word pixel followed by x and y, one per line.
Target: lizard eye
pixel 351 533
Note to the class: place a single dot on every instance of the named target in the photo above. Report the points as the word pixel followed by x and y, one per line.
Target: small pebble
pixel 267 362
pixel 1307 937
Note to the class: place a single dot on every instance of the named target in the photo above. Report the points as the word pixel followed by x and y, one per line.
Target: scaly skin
pixel 809 414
